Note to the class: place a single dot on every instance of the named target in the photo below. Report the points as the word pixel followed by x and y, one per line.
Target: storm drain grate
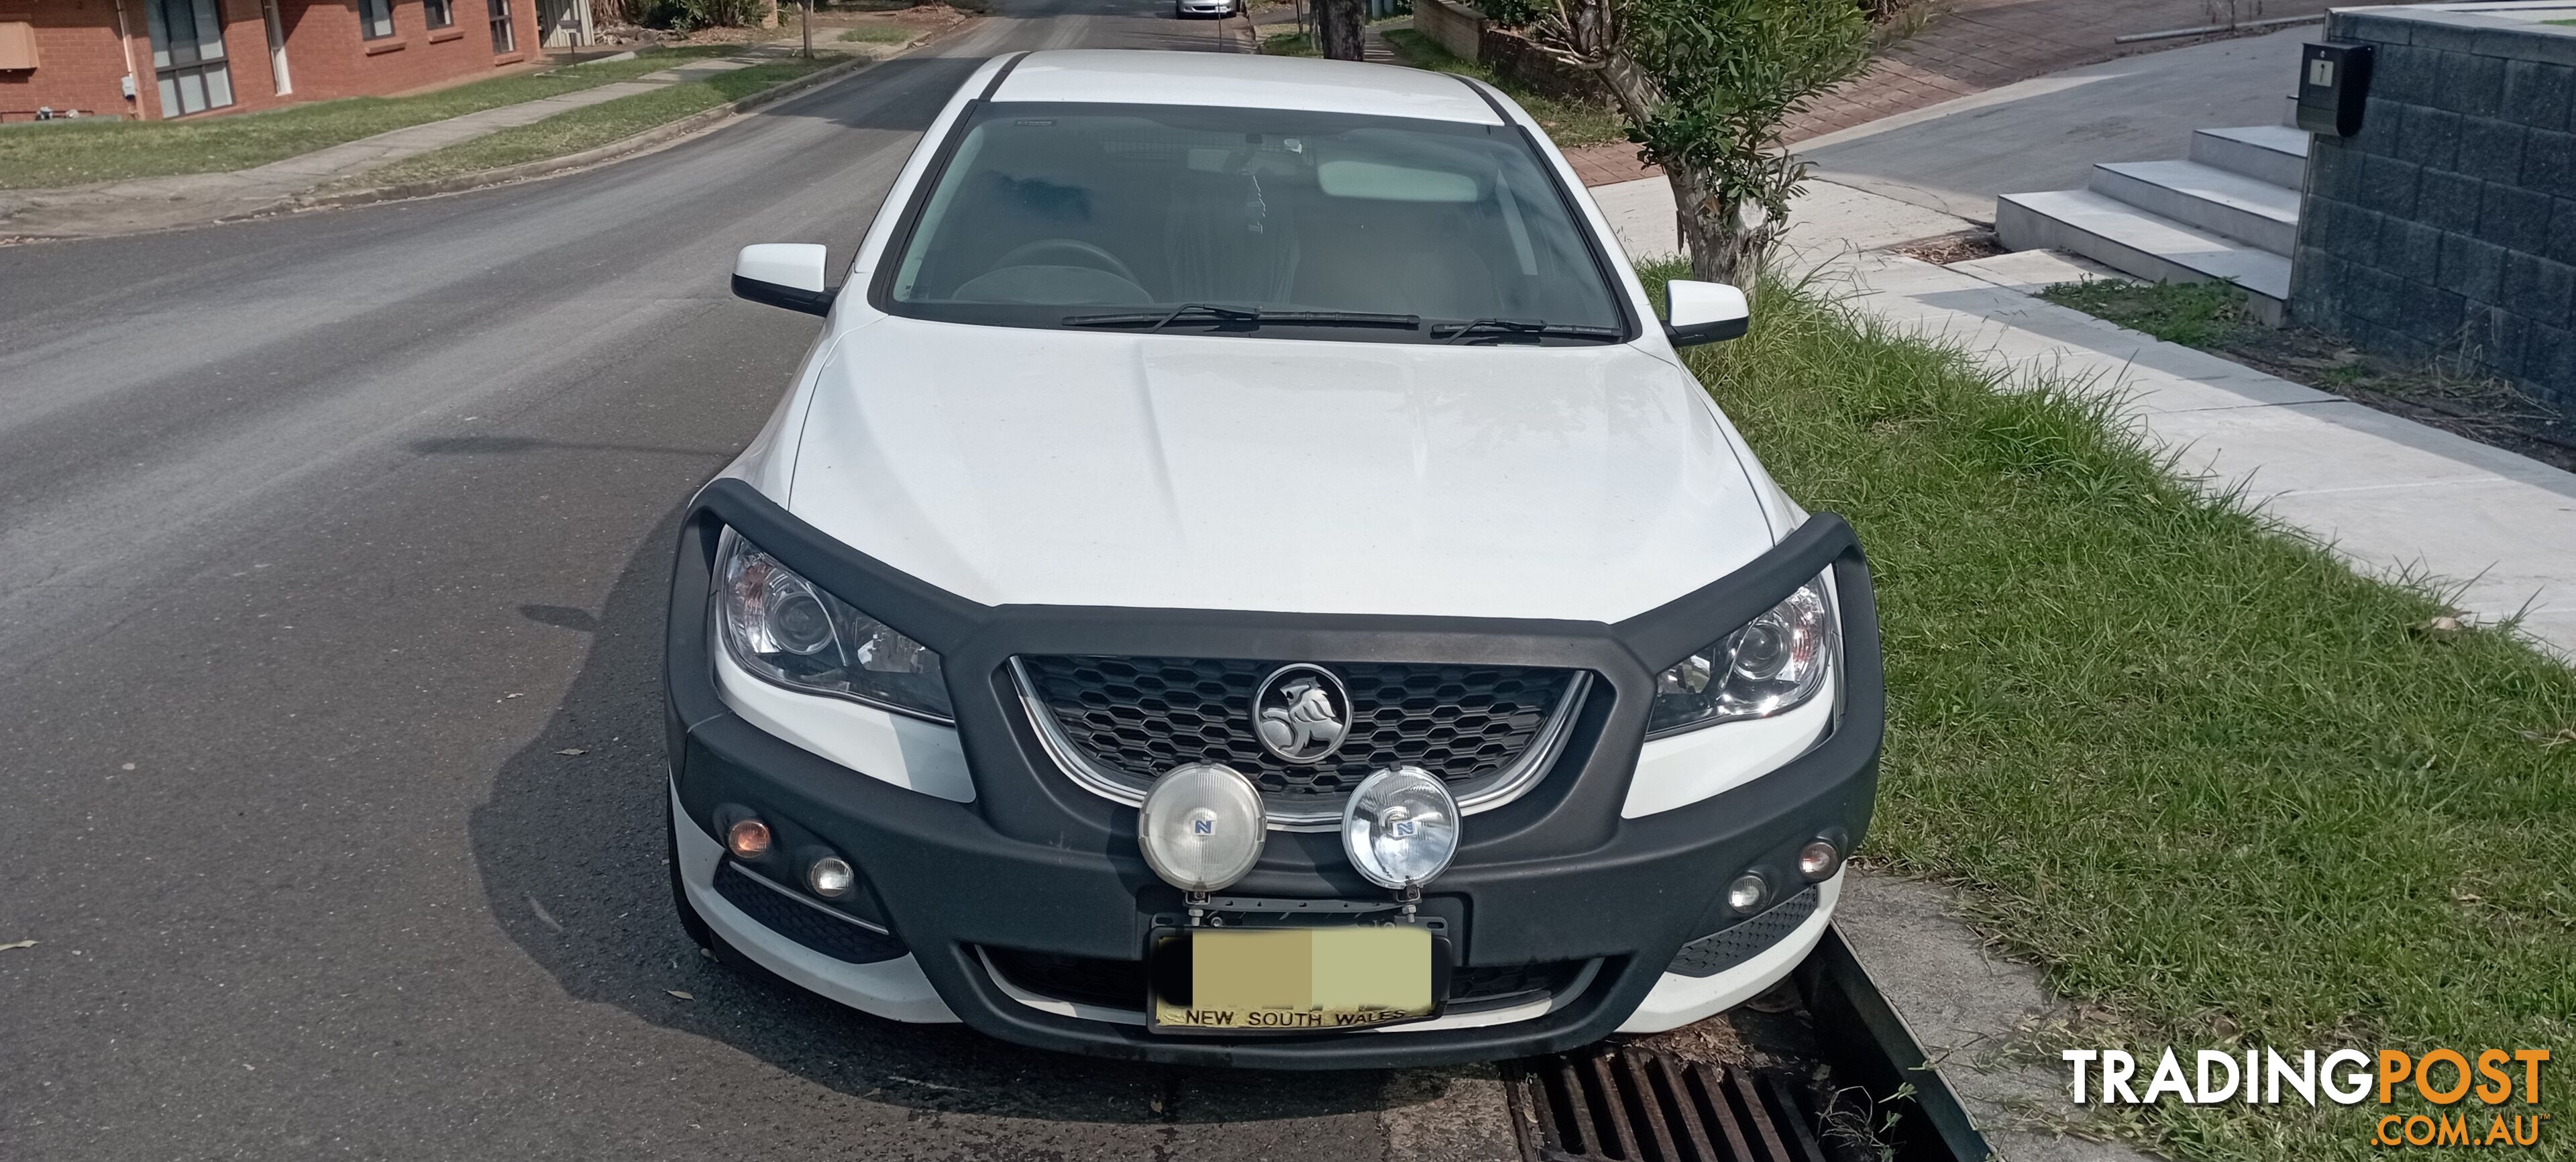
pixel 1635 1106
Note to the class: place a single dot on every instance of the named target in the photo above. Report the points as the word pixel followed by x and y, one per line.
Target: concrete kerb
pixel 650 140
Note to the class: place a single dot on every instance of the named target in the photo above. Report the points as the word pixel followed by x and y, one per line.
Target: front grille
pixel 1712 954
pixel 1134 718
pixel 1122 984
pixel 811 925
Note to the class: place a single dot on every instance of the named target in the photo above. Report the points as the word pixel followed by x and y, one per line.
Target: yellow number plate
pixel 1302 978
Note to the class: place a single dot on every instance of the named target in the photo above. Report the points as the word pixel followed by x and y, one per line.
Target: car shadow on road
pixel 570 848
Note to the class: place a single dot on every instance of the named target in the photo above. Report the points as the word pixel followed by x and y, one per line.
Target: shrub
pixel 683 15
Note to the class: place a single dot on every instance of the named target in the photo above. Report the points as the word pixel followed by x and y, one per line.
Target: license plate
pixel 1290 979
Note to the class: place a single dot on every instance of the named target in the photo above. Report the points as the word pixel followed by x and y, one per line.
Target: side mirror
pixel 783 274
pixel 1702 312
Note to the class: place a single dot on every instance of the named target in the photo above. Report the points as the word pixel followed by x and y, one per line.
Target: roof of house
pixel 1126 76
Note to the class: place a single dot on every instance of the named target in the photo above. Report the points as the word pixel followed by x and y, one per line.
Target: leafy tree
pixel 1706 86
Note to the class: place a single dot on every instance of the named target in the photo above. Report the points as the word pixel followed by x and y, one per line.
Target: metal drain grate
pixel 1634 1106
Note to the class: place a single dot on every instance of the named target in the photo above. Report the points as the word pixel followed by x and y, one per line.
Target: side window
pixel 440 13
pixel 375 19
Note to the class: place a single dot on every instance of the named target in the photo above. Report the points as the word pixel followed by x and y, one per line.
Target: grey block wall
pixel 2448 224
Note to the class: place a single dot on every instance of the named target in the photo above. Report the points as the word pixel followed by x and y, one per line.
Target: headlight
pixel 1777 661
pixel 784 630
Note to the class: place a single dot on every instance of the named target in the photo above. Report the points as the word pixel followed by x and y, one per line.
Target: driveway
pixel 331 561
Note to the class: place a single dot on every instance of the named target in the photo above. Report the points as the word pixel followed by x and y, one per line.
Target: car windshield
pixel 1278 223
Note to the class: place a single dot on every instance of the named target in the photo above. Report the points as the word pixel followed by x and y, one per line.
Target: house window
pixel 441 13
pixel 503 39
pixel 375 19
pixel 188 56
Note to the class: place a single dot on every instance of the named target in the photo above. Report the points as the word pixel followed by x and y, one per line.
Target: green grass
pixel 877 34
pixel 2198 314
pixel 1569 123
pixel 2219 786
pixel 75 153
pixel 1289 44
pixel 578 129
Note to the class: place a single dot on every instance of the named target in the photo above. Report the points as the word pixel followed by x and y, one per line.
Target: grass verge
pixel 78 152
pixel 877 34
pixel 591 126
pixel 2226 791
pixel 1569 123
pixel 1289 44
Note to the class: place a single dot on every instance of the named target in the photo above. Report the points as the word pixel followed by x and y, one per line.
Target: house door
pixel 567 22
pixel 188 56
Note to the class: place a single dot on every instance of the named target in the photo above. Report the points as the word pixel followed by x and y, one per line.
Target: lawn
pixel 1569 124
pixel 877 34
pixel 78 152
pixel 578 129
pixel 2225 791
pixel 1289 44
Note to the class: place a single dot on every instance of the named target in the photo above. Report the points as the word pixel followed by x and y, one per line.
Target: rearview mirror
pixel 783 274
pixel 1704 312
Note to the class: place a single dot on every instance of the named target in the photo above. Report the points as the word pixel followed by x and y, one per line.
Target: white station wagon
pixel 1243 578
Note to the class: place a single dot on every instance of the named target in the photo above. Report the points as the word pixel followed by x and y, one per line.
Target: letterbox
pixel 2333 81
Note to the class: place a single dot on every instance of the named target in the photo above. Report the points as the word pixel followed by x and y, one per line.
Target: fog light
pixel 747 838
pixel 1201 826
pixel 1746 894
pixel 1400 827
pixel 1819 860
pixel 830 877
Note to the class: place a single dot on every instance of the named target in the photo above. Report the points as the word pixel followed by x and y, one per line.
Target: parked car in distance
pixel 1244 578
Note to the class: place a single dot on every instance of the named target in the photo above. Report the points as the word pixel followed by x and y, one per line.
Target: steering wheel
pixel 1086 254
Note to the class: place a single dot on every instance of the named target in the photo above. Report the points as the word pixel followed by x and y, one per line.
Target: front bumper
pixel 1037 865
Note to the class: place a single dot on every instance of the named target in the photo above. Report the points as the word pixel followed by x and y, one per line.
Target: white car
pixel 1243 578
pixel 1185 8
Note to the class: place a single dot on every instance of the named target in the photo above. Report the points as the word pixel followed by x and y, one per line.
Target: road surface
pixel 332 549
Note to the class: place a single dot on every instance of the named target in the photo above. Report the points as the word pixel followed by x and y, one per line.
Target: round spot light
pixel 1400 827
pixel 1746 894
pixel 747 839
pixel 830 877
pixel 1201 826
pixel 1819 861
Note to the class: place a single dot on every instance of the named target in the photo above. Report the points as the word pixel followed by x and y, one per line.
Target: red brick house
pixel 151 59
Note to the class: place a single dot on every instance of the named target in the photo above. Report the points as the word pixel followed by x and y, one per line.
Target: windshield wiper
pixel 1535 328
pixel 1221 313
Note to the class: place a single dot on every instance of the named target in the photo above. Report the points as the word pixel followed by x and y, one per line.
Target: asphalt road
pixel 331 554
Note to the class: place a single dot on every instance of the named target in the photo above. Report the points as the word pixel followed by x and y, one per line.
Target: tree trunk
pixel 1337 28
pixel 1724 246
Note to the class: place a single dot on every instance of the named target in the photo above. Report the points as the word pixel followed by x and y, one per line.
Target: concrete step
pixel 2266 153
pixel 2211 199
pixel 2147 245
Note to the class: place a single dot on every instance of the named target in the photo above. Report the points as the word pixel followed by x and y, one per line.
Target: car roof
pixel 1147 77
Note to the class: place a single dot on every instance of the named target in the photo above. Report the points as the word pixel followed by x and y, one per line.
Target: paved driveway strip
pixel 330 583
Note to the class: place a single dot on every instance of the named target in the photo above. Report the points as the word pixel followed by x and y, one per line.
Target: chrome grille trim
pixel 1510 783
